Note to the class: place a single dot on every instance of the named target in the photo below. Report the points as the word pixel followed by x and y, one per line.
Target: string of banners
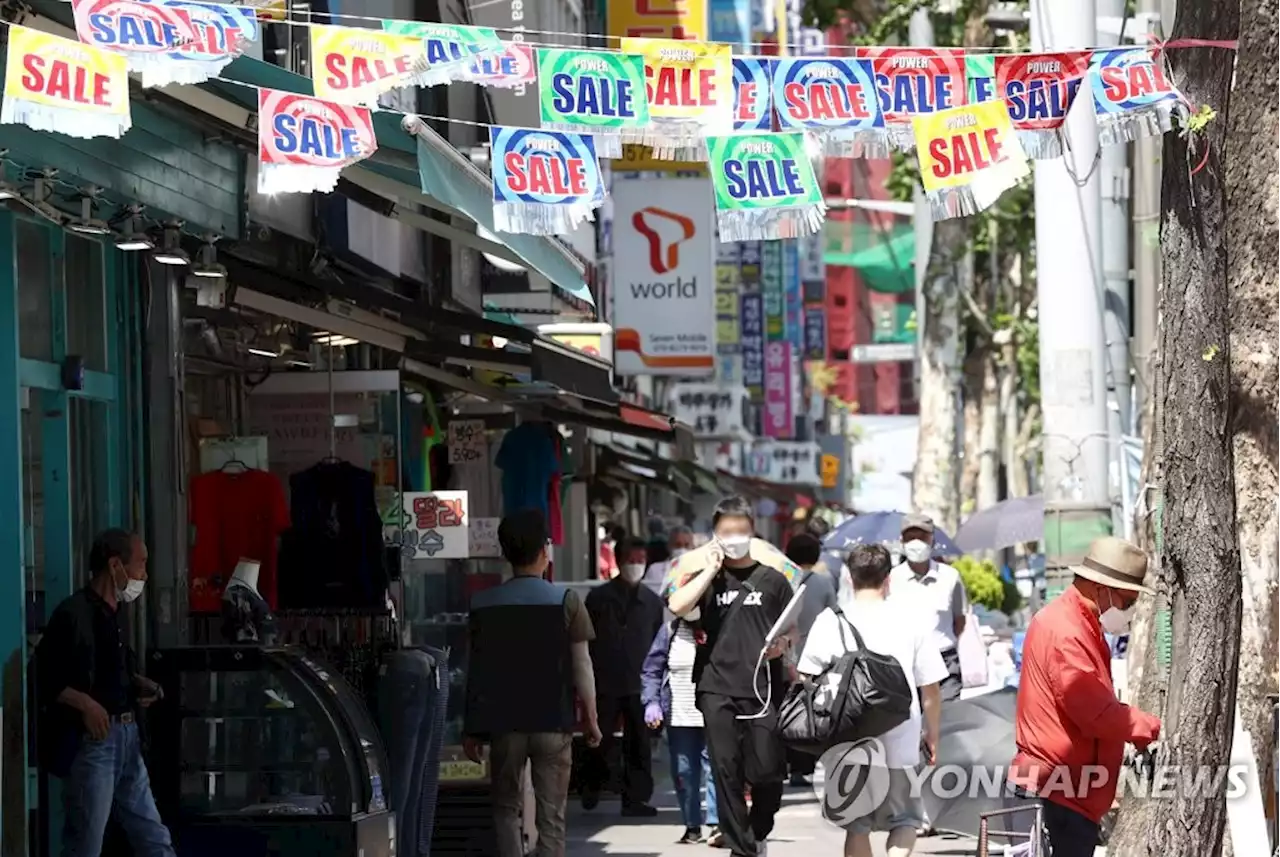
pixel 760 123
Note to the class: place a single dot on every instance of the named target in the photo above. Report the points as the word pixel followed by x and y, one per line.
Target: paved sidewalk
pixel 800 832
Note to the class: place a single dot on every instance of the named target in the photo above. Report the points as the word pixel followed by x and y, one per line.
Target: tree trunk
pixel 988 492
pixel 1255 328
pixel 1008 384
pixel 1200 557
pixel 935 482
pixel 974 363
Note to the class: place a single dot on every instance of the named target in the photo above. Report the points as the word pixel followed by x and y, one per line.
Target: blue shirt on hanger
pixel 528 460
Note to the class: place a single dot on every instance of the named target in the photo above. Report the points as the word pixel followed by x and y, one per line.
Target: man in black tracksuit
pixel 740 684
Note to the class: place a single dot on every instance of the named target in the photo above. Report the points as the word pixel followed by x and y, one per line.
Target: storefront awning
pixel 623 419
pixel 885 258
pixel 701 478
pixel 619 463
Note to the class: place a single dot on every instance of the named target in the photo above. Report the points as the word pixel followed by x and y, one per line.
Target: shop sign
pixel 778 415
pixel 482 535
pixel 813 268
pixel 750 253
pixel 794 298
pixel 677 19
pixel 664 309
pixel 728 252
pixel 773 289
pixel 787 462
pixel 467 442
pixel 729 459
pixel 815 333
pixel 728 279
pixel 830 470
pixel 752 343
pixel 712 410
pixel 435 525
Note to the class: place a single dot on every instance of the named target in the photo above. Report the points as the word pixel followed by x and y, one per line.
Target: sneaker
pixel 714 837
pixel 639 810
pixel 590 799
pixel 692 836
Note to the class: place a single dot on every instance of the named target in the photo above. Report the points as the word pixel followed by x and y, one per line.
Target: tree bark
pixel 974 363
pixel 988 489
pixel 1200 557
pixel 935 482
pixel 1255 328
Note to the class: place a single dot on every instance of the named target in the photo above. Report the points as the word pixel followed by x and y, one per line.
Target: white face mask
pixel 917 551
pixel 735 547
pixel 679 552
pixel 632 573
pixel 1116 621
pixel 131 590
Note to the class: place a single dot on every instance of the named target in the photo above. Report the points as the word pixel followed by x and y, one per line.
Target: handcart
pixel 1029 843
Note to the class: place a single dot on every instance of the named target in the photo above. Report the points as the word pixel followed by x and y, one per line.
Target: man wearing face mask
pixel 626 616
pixel 679 543
pixel 937 588
pixel 1070 728
pixel 738 585
pixel 88 689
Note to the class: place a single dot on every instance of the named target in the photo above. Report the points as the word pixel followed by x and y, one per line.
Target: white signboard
pixel 483 536
pixel 467 442
pixel 888 352
pixel 787 462
pixel 435 525
pixel 729 459
pixel 712 410
pixel 664 313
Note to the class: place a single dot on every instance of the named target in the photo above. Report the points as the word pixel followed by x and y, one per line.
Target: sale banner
pixel 1039 90
pixel 689 86
pixel 544 182
pixel 587 92
pixel 511 69
pixel 980 74
pixel 659 19
pixel 355 66
pixel 969 155
pixel 837 99
pixel 56 84
pixel 1132 95
pixel 765 187
pixel 752 95
pixel 167 41
pixel 915 82
pixel 450 48
pixel 304 142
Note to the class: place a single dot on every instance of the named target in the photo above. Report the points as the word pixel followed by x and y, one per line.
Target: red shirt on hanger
pixel 234 516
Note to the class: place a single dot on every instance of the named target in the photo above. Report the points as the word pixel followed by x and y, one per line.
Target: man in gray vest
pixel 527 655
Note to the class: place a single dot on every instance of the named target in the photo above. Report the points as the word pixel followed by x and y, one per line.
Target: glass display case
pixel 264 751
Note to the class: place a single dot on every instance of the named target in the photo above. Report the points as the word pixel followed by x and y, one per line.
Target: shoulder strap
pixel 844 621
pixel 808 574
pixel 747 585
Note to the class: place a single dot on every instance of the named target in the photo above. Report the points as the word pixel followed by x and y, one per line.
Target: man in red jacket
pixel 1071 729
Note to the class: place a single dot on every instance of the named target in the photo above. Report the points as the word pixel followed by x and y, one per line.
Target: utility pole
pixel 1069 281
pixel 920 34
pixel 1114 222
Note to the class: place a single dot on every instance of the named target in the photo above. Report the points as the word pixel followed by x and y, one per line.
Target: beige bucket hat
pixel 1116 563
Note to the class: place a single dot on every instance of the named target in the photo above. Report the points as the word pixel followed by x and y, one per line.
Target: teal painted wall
pixel 161 163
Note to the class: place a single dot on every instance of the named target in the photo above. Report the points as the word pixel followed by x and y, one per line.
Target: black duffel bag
pixel 863 694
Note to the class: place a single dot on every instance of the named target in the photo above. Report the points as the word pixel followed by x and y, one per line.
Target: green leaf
pixel 1209 353
pixel 1197 121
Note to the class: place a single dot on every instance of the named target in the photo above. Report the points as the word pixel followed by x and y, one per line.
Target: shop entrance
pixel 73 433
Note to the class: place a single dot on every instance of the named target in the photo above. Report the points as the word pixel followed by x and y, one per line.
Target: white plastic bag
pixel 973 654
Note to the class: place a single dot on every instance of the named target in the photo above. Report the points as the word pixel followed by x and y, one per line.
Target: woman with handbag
pixel 668 694
pixel 902 632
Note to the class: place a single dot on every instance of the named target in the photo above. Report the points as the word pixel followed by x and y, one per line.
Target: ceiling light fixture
pixel 262 352
pixel 207 265
pixel 86 223
pixel 133 238
pixel 171 252
pixel 337 340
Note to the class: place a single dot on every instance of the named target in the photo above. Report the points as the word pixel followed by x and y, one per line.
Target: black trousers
pixel 637 763
pixel 1070 833
pixel 744 753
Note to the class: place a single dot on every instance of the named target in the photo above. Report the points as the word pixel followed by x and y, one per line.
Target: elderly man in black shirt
pixel 626 617
pixel 88 687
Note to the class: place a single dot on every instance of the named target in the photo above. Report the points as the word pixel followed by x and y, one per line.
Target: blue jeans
pixel 690 768
pixel 109 776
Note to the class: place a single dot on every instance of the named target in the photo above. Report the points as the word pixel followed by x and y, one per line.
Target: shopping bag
pixel 973 654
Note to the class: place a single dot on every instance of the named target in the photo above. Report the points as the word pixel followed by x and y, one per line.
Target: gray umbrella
pixel 1003 525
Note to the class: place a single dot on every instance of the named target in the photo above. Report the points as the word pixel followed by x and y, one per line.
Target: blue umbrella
pixel 881 528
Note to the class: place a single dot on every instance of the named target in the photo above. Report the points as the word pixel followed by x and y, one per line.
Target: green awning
pixel 885 257
pixel 442 173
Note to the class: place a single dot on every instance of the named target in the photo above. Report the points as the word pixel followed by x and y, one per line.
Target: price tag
pixel 483 535
pixel 467 442
pixel 461 770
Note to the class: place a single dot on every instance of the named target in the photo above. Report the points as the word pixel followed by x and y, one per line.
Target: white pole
pixel 1069 284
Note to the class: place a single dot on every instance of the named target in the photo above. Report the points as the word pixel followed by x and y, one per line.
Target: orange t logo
pixel 661 261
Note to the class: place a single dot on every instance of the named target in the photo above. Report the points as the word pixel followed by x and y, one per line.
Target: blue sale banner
pixel 731 23
pixel 773 288
pixel 752 344
pixel 793 298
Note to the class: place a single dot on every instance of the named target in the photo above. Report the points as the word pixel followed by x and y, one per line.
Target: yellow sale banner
pixel 658 19
pixel 968 156
pixel 57 84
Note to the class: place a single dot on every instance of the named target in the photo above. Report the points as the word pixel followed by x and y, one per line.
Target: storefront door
pixel 69 426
